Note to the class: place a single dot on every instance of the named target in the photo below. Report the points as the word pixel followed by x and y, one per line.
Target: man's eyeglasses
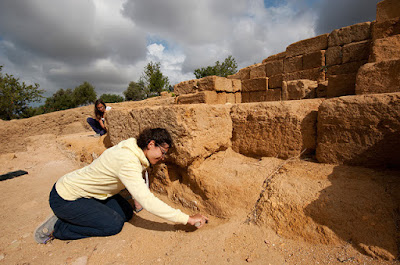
pixel 163 151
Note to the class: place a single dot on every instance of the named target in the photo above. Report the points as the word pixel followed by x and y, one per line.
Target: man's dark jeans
pixel 89 217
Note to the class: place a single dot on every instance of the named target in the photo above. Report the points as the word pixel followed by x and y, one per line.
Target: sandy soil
pixel 146 239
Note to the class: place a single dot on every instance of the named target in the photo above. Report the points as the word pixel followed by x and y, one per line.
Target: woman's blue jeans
pixel 84 217
pixel 96 126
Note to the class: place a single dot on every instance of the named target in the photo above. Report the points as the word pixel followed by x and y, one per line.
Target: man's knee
pixel 114 227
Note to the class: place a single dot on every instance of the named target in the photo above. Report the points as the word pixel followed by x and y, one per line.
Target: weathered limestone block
pixel 256 84
pixel 275 81
pixel 385 49
pixel 215 83
pixel 314 60
pixel 254 96
pixel 346 68
pixel 222 97
pixel 380 77
pixel 387 9
pixel 277 129
pixel 386 28
pixel 354 33
pixel 356 51
pixel 186 87
pixel 334 55
pixel 278 56
pixel 208 97
pixel 293 64
pixel 238 97
pixel 273 94
pixel 316 74
pixel 360 130
pixel 308 46
pixel 242 74
pixel 341 85
pixel 197 130
pixel 300 89
pixel 321 91
pixel 230 98
pixel 285 95
pixel 258 72
pixel 236 85
pixel 274 67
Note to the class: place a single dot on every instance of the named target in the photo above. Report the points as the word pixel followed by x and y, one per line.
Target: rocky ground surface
pixel 51 145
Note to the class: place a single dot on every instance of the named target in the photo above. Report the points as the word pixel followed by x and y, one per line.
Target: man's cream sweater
pixel 118 167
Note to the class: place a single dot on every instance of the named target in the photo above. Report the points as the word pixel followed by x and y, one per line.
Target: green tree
pixel 15 96
pixel 111 98
pixel 228 67
pixel 84 94
pixel 154 80
pixel 61 100
pixel 136 91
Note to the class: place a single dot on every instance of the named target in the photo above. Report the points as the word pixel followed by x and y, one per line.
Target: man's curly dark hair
pixel 160 135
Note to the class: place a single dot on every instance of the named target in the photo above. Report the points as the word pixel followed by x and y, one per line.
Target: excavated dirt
pixel 262 211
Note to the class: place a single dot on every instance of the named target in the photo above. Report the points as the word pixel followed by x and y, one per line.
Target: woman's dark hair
pixel 97 112
pixel 159 135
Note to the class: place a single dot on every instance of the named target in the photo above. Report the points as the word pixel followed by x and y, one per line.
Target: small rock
pixel 249 259
pixel 2 256
pixel 80 261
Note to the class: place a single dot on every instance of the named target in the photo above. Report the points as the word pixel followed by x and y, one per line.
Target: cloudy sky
pixel 61 44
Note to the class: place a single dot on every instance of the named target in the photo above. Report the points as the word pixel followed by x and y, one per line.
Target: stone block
pixel 300 89
pixel 293 64
pixel 278 56
pixel 242 74
pixel 236 85
pixel 257 84
pixel 346 68
pixel 275 81
pixel 386 28
pixel 308 46
pixel 356 51
pixel 258 72
pixel 316 74
pixel 387 9
pixel 314 60
pixel 321 91
pixel 254 96
pixel 186 87
pixel 385 49
pixel 275 129
pixel 208 97
pixel 284 91
pixel 215 83
pixel 353 33
pixel 380 77
pixel 334 55
pixel 341 85
pixel 238 97
pixel 222 97
pixel 230 98
pixel 274 67
pixel 197 130
pixel 273 94
pixel 360 130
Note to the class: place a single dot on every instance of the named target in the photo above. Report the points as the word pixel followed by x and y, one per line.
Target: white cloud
pixel 60 44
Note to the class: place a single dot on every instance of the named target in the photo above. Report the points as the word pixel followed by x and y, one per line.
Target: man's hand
pixel 197 220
